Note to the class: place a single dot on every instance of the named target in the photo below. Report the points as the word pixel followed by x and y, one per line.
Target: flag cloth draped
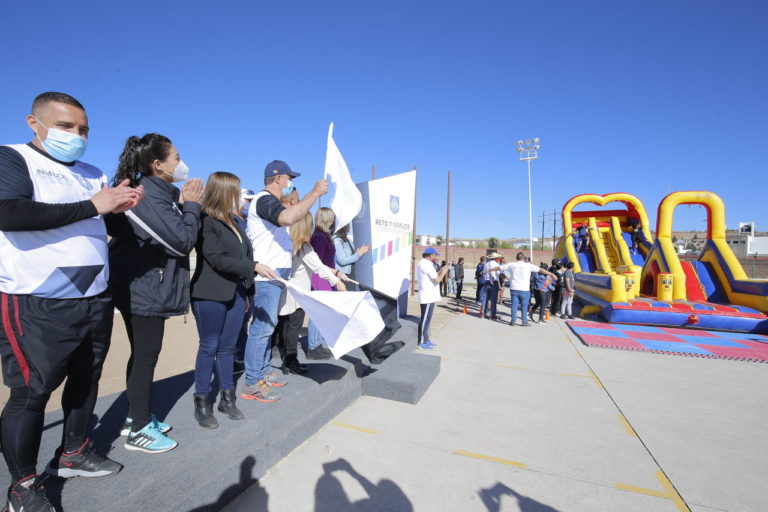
pixel 347 320
pixel 347 200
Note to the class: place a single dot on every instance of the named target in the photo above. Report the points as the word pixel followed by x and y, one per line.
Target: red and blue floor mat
pixel 689 342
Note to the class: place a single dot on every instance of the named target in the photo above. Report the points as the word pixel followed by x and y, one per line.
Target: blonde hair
pixel 325 220
pixel 301 233
pixel 222 196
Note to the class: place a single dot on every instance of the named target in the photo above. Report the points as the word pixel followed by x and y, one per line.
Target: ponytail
pixel 138 155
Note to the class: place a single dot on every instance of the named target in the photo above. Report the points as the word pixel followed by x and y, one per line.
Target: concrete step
pixel 209 468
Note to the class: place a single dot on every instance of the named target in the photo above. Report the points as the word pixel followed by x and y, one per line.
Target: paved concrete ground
pixel 517 420
pixel 532 420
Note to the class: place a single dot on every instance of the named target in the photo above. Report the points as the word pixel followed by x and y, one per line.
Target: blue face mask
pixel 288 188
pixel 63 146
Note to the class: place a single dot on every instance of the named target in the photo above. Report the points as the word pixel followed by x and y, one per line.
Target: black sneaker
pixel 83 462
pixel 27 495
pixel 319 353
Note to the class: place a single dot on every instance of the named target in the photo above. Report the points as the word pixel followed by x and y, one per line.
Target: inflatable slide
pixel 628 277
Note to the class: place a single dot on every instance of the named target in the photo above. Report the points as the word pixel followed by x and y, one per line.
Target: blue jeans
pixel 314 338
pixel 258 349
pixel 520 299
pixel 243 336
pixel 490 293
pixel 218 324
pixel 480 286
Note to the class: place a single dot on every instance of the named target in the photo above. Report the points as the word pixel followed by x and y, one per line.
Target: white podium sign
pixel 386 224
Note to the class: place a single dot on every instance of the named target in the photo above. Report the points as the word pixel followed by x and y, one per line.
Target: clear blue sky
pixel 642 97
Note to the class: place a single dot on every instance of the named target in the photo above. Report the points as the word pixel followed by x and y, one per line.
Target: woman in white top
pixel 305 263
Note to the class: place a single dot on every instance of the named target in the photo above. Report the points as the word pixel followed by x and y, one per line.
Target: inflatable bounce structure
pixel 626 276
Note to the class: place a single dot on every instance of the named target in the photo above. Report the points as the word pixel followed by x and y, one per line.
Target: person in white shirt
pixel 519 272
pixel 305 263
pixel 429 293
pixel 491 286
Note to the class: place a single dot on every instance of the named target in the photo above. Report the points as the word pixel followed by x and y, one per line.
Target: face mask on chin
pixel 61 145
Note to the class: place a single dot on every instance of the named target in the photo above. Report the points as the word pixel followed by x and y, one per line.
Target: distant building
pixel 745 241
pixel 457 242
pixel 426 240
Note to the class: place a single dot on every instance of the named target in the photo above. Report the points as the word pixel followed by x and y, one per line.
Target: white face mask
pixel 180 173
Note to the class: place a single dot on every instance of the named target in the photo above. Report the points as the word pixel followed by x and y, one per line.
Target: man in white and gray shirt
pixel 520 285
pixel 268 222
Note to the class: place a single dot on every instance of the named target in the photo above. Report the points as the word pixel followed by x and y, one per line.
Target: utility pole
pixel 544 218
pixel 413 245
pixel 554 226
pixel 373 172
pixel 448 220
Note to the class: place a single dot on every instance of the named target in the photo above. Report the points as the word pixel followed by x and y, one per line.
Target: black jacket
pixel 148 278
pixel 221 264
pixel 459 271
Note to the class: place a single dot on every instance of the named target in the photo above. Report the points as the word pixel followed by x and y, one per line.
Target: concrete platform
pixel 211 467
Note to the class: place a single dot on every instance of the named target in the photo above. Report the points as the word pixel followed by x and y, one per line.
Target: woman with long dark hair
pixel 222 282
pixel 149 271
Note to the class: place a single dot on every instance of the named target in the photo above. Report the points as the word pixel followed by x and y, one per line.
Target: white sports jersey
pixel 271 244
pixel 65 262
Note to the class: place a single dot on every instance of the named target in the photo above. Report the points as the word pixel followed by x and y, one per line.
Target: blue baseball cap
pixel 278 167
pixel 431 250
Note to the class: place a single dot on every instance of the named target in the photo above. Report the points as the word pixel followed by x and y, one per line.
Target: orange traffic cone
pixel 465 309
pixel 547 315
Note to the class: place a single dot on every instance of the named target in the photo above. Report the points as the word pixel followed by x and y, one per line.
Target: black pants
pixel 459 286
pixel 556 297
pixel 43 342
pixel 541 303
pixel 480 285
pixel 145 335
pixel 289 333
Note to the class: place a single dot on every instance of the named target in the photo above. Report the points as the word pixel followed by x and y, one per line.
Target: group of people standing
pixel 61 278
pixel 531 288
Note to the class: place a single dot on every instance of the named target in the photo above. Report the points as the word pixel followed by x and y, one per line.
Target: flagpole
pixel 373 172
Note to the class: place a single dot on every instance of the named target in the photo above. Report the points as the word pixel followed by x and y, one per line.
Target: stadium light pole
pixel 529 150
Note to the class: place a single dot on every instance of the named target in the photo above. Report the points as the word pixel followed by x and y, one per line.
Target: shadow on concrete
pixel 330 495
pixel 257 496
pixel 323 372
pixel 165 394
pixel 54 487
pixel 492 499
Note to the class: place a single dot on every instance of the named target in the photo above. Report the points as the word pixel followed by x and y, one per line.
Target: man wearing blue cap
pixel 429 293
pixel 268 222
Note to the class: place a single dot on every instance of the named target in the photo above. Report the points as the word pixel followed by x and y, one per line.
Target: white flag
pixel 347 200
pixel 347 320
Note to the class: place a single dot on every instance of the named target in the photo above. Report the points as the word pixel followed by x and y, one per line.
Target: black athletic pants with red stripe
pixel 44 342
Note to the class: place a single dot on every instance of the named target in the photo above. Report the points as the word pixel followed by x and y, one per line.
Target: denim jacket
pixel 345 255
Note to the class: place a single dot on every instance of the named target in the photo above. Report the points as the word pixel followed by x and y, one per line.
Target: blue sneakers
pixel 431 344
pixel 164 427
pixel 425 346
pixel 150 439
